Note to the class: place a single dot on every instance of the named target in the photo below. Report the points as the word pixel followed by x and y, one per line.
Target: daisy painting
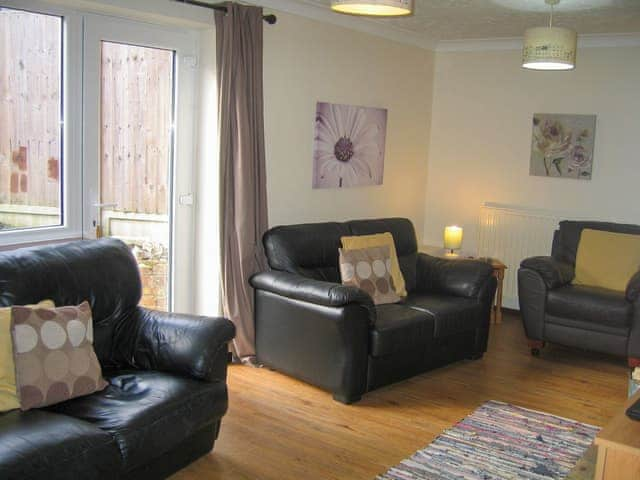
pixel 348 146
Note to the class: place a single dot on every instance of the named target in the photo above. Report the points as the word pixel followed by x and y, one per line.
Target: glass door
pixel 137 163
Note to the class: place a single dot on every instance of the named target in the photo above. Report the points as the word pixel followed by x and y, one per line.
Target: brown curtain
pixel 243 175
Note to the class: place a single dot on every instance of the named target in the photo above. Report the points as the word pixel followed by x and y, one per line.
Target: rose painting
pixel 562 145
pixel 348 149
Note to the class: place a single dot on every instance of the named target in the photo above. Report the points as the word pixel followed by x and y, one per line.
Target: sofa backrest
pixel 311 249
pixel 567 237
pixel 103 272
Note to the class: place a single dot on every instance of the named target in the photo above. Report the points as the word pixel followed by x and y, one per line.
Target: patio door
pixel 139 82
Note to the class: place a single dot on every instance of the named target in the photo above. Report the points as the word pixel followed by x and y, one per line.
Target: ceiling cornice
pixel 584 41
pixel 365 25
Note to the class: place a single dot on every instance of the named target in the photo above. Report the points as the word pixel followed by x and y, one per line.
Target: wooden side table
pixel 619 447
pixel 498 272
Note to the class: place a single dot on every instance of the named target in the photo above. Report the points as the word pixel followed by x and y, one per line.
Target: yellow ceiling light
pixel 549 48
pixel 376 8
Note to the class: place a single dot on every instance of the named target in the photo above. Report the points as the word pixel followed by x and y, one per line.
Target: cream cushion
pixel 8 395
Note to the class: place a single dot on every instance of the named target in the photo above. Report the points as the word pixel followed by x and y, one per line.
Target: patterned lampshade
pixel 377 8
pixel 549 48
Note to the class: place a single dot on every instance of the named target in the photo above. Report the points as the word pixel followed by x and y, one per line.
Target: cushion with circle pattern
pixel 54 356
pixel 370 270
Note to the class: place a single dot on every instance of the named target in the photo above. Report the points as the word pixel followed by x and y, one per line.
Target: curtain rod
pixel 270 19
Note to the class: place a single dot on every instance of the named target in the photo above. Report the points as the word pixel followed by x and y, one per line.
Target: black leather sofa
pixel 580 316
pixel 312 327
pixel 167 374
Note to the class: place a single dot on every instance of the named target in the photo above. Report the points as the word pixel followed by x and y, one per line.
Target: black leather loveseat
pixel 166 372
pixel 312 327
pixel 580 316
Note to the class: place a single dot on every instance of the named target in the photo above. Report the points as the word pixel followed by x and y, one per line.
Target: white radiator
pixel 512 234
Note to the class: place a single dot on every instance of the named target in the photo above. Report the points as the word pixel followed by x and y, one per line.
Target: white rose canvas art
pixel 348 147
pixel 562 145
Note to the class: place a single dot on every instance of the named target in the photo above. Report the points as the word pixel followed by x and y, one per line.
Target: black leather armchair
pixel 581 316
pixel 166 372
pixel 312 327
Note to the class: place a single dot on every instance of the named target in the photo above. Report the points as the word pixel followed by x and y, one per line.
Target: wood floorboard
pixel 280 428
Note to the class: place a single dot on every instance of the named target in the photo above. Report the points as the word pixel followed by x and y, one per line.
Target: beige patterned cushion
pixel 54 356
pixel 370 270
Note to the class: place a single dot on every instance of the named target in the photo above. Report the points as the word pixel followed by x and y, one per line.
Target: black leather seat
pixel 581 316
pixel 139 408
pixel 167 373
pixel 312 327
pixel 448 317
pixel 41 444
pixel 399 328
pixel 598 306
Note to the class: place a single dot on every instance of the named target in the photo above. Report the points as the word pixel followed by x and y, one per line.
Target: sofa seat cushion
pixel 44 445
pixel 149 412
pixel 596 305
pixel 399 328
pixel 450 314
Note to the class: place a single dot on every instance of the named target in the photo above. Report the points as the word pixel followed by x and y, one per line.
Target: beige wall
pixel 483 104
pixel 306 61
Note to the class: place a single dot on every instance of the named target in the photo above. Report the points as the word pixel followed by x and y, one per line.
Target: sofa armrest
pixel 553 273
pixel 297 287
pixel 633 288
pixel 459 277
pixel 187 345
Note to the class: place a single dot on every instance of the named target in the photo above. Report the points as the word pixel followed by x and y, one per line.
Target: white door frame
pixel 184 42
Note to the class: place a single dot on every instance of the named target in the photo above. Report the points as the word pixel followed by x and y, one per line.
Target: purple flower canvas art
pixel 348 147
pixel 562 145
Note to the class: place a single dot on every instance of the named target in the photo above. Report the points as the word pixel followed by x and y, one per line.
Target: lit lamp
pixel 452 238
pixel 549 48
pixel 375 8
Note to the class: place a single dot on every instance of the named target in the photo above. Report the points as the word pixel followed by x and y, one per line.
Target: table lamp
pixel 452 238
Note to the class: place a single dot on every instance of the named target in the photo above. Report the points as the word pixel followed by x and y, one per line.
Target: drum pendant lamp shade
pixel 549 48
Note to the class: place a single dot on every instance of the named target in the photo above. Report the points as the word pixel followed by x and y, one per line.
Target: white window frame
pixel 71 132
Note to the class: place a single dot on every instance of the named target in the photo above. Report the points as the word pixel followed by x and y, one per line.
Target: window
pixel 39 158
pixel 30 120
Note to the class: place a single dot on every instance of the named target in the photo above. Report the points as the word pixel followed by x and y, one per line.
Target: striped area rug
pixel 500 441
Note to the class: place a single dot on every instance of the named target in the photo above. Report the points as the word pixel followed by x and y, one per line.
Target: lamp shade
pixel 452 237
pixel 377 8
pixel 549 48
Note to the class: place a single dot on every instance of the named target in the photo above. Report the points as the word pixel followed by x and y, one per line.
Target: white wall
pixel 483 104
pixel 306 61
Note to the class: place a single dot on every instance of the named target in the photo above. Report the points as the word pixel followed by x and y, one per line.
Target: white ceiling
pixel 442 20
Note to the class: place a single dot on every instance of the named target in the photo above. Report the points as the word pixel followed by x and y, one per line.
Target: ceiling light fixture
pixel 376 8
pixel 549 48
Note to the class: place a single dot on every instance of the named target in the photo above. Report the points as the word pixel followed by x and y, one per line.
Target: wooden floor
pixel 280 428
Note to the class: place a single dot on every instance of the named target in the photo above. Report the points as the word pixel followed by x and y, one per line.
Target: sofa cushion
pixel 399 328
pixel 54 356
pixel 310 250
pixel 370 270
pixel 567 238
pixel 607 259
pixel 450 314
pixel 590 304
pixel 71 273
pixel 8 393
pixel 357 242
pixel 404 237
pixel 44 445
pixel 149 412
